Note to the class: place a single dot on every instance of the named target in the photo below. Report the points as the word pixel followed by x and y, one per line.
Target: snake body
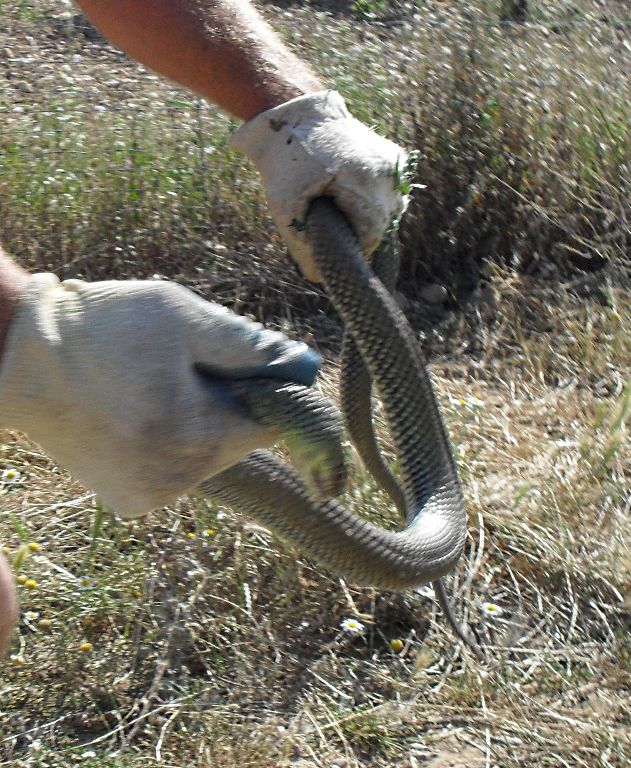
pixel 356 402
pixel 356 388
pixel 267 489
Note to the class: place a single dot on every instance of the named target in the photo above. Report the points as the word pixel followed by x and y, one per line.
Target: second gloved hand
pixel 310 147
pixel 106 377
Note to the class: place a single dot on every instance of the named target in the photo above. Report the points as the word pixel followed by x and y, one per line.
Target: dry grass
pixel 212 643
pixel 199 642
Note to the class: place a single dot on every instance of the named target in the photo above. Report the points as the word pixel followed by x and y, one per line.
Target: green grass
pixel 523 157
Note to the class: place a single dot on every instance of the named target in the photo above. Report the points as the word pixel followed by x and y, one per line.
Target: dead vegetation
pixel 211 643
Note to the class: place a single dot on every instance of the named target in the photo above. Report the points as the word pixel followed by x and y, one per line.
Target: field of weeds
pixel 194 638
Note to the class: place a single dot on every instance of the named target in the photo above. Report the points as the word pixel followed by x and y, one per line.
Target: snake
pixel 306 512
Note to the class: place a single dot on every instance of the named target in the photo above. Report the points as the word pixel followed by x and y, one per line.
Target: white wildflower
pixel 85 582
pixel 352 626
pixel 492 609
pixel 10 475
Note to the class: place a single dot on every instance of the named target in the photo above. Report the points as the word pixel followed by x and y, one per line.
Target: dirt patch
pixel 463 757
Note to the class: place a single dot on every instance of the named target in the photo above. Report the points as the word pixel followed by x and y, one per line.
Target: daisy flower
pixel 352 626
pixel 85 582
pixel 10 475
pixel 492 609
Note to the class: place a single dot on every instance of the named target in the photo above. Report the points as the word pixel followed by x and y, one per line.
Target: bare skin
pixel 8 605
pixel 13 280
pixel 221 50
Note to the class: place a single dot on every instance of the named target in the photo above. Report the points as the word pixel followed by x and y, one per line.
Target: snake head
pixel 320 462
pixel 308 423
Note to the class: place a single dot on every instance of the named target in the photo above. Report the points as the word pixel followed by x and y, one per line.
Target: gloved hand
pixel 105 377
pixel 311 146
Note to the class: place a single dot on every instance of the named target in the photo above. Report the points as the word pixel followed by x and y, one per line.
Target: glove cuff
pixel 297 116
pixel 29 345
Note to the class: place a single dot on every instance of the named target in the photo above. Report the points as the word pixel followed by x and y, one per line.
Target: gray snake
pixel 270 491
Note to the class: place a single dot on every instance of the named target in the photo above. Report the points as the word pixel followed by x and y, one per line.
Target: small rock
pixel 434 293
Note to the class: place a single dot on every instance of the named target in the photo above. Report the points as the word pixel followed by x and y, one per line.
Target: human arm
pixel 221 49
pixel 8 605
pixel 300 136
pixel 106 378
pixel 13 280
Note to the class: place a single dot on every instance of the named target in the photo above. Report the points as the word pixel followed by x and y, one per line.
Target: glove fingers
pixel 233 347
pixel 104 377
pixel 311 146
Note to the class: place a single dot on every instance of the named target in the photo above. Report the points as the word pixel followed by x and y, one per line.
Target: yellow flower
pixel 22 579
pixel 45 624
pixel 85 647
pixel 191 535
pixel 396 644
pixel 31 584
pixel 210 532
pixel 33 546
pixel 18 660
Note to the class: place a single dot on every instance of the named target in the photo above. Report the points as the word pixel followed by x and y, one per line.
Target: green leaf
pixel 19 527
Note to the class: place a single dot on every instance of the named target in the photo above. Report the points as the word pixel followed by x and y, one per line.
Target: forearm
pixel 221 49
pixel 8 605
pixel 13 280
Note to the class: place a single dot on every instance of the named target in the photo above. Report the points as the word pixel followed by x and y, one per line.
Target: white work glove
pixel 105 377
pixel 311 146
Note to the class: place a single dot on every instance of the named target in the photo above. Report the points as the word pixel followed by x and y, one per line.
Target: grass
pixel 213 644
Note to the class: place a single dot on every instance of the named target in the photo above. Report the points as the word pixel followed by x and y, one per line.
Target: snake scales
pixel 263 487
